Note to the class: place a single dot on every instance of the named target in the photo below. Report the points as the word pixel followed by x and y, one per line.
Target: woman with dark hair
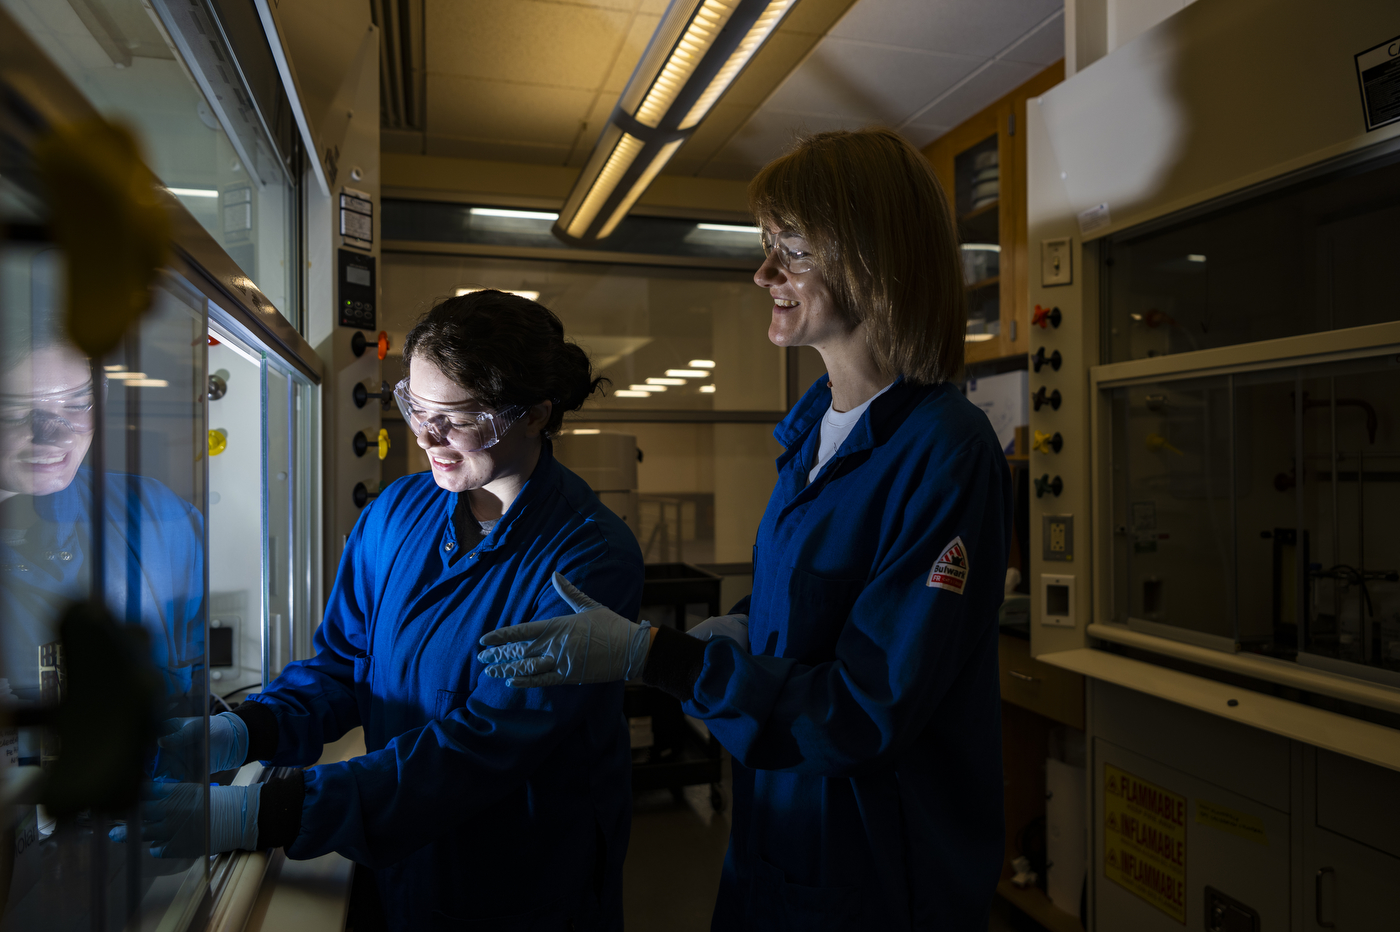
pixel 476 806
pixel 857 688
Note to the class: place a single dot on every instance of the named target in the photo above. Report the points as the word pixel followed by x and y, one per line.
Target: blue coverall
pixel 473 798
pixel 865 725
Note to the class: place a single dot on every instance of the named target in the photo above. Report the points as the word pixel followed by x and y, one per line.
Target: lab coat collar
pixel 544 478
pixel 882 417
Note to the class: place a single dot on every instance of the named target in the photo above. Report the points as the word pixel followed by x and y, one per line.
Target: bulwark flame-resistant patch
pixel 950 570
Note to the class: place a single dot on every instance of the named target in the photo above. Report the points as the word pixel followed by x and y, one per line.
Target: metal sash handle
pixel 1024 677
pixel 1317 902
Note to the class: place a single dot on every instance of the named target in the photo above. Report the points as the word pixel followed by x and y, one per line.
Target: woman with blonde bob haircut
pixel 856 688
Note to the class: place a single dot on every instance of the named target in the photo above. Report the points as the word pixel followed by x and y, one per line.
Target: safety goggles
pixel 793 252
pixel 73 410
pixel 466 430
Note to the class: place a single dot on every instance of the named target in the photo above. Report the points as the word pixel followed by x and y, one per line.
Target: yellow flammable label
pixel 1144 834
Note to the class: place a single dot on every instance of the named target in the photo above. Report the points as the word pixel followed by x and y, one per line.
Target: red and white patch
pixel 950 569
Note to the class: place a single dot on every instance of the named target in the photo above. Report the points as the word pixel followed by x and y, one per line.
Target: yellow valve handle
pixel 1041 442
pixel 107 217
pixel 1158 444
pixel 383 443
pixel 218 442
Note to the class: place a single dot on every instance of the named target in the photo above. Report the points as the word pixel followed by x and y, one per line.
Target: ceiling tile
pixel 766 70
pixel 979 28
pixel 475 109
pixel 814 17
pixel 491 150
pixel 998 79
pixel 861 81
pixel 633 45
pixel 1043 45
pixel 729 171
pixel 768 134
pixel 523 40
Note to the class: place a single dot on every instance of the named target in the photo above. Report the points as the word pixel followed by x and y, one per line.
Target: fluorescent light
pixel 193 192
pixel 687 373
pixel 753 40
pixel 697 50
pixel 647 388
pixel 689 51
pixel 148 383
pixel 728 228
pixel 628 393
pixel 981 247
pixel 978 337
pixel 701 364
pixel 707 389
pixel 582 431
pixel 126 376
pixel 528 295
pixel 517 214
pixel 656 381
pixel 1195 257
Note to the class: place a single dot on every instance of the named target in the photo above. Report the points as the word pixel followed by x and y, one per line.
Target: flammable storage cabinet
pixel 1216 211
pixel 166 484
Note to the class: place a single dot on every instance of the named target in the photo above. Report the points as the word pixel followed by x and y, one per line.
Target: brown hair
pixel 875 215
pixel 505 350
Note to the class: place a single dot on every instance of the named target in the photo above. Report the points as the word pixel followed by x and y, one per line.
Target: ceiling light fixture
pixel 628 393
pixel 697 51
pixel 583 431
pixel 193 192
pixel 656 381
pixel 701 364
pixel 707 389
pixel 687 373
pixel 647 388
pixel 728 228
pixel 527 295
pixel 517 214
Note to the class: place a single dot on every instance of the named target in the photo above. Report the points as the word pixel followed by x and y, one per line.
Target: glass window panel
pixel 235 518
pixel 280 642
pixel 166 71
pixel 1174 547
pixel 1318 255
pixel 637 322
pixel 150 430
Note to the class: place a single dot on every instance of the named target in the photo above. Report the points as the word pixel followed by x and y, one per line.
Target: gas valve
pixel 1040 398
pixel 1047 443
pixel 1046 484
pixel 1040 359
pixel 1044 316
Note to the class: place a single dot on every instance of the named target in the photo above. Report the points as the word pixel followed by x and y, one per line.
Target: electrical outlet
pixel 1055 262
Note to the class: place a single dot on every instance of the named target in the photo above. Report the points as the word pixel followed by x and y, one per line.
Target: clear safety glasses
pixel 72 409
pixel 466 430
pixel 792 250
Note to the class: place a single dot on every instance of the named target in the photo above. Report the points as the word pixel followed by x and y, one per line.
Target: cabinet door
pixel 1349 886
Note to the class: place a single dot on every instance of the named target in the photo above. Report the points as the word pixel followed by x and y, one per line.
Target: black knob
pixel 362 394
pixel 1056 442
pixel 362 495
pixel 1039 359
pixel 358 344
pixel 1040 398
pixel 1046 484
pixel 217 387
pixel 361 442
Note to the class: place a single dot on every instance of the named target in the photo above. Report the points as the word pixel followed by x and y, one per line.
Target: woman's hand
pixel 596 645
pixel 183 740
pixel 172 819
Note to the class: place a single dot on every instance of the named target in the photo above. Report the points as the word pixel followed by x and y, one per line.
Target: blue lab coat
pixel 865 726
pixel 154 578
pixel 479 806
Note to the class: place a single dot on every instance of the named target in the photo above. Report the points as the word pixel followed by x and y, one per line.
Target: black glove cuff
pixel 279 808
pixel 674 663
pixel 262 730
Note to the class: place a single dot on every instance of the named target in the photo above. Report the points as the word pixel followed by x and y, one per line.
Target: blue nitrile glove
pixel 595 646
pixel 172 819
pixel 179 748
pixel 735 627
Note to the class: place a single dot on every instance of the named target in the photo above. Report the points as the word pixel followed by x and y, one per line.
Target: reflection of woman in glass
pixel 475 803
pixel 154 572
pixel 857 687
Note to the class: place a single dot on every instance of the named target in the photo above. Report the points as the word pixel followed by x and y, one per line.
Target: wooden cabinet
pixel 982 165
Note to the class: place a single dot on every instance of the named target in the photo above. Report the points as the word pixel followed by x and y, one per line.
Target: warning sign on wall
pixel 1144 835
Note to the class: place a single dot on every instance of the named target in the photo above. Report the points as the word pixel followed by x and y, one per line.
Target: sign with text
pixel 1144 835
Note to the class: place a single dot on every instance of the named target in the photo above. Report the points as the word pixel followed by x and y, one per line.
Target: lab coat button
pixel 448 546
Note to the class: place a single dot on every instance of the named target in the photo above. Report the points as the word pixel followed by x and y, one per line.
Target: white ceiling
pixel 921 66
pixel 534 80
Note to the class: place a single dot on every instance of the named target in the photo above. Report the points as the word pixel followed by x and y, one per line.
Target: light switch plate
pixel 1055 262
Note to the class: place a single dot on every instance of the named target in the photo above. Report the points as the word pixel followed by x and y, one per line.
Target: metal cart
pixel 678 754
